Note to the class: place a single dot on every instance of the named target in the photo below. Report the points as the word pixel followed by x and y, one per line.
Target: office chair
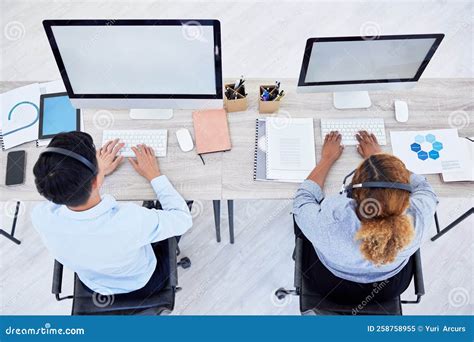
pixel 312 303
pixel 87 302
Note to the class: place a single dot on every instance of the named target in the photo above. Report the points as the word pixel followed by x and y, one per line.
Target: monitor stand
pixel 351 99
pixel 151 114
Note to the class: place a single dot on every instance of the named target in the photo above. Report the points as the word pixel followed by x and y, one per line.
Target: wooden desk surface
pixel 431 103
pixel 229 175
pixel 185 170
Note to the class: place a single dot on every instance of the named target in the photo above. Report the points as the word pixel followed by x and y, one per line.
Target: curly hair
pixel 385 228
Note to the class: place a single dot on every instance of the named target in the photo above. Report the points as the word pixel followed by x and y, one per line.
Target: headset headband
pixel 72 155
pixel 384 185
pixel 374 185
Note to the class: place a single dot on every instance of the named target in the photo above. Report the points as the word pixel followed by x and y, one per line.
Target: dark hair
pixel 64 180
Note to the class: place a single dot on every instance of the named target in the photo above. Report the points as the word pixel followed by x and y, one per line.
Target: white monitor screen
pixel 366 59
pixel 121 59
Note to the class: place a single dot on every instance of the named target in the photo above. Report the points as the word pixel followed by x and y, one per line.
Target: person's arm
pixel 308 198
pixel 175 218
pixel 423 199
pixel 331 151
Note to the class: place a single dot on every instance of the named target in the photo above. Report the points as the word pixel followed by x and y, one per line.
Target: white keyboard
pixel 349 127
pixel 155 138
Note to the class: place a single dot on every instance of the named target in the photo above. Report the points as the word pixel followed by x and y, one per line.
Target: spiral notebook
pixel 19 112
pixel 284 153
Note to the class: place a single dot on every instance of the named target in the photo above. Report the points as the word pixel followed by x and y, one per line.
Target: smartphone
pixel 15 168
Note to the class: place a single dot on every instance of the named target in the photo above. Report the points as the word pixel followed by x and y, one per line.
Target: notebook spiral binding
pixel 256 151
pixel 1 141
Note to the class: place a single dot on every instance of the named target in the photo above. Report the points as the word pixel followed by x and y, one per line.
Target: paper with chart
pixel 428 152
pixel 290 148
pixel 19 114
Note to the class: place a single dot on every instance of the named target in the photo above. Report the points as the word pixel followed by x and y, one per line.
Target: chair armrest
pixel 298 264
pixel 418 281
pixel 57 278
pixel 418 274
pixel 172 259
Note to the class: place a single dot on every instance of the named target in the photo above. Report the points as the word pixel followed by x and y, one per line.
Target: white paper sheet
pixel 19 114
pixel 424 152
pixel 290 149
pixel 466 172
pixel 52 87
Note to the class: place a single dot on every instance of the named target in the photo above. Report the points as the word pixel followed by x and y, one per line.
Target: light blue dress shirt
pixel 332 223
pixel 108 246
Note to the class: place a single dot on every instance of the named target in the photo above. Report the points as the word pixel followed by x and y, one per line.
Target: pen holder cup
pixel 267 106
pixel 238 101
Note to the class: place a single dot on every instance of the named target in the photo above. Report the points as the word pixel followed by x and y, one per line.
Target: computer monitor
pixel 139 64
pixel 351 66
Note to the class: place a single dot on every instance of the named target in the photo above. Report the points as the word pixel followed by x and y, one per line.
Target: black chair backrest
pixel 311 302
pixel 87 302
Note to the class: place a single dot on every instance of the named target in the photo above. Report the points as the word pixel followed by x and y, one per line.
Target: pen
pixel 238 83
pixel 280 96
pixel 240 86
pixel 277 86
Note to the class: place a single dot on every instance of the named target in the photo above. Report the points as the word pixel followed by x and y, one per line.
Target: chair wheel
pixel 185 262
pixel 281 293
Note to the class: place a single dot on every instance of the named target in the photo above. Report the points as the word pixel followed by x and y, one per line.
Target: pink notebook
pixel 211 131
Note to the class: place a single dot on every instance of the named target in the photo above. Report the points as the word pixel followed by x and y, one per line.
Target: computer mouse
pixel 185 140
pixel 401 111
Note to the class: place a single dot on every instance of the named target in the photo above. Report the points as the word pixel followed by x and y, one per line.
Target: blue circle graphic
pixel 30 124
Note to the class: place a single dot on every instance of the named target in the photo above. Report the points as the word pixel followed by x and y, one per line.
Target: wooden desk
pixel 185 170
pixel 430 104
pixel 228 175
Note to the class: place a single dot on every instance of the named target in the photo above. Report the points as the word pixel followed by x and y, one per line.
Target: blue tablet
pixel 57 115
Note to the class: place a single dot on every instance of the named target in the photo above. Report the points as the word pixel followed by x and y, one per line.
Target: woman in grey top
pixel 367 238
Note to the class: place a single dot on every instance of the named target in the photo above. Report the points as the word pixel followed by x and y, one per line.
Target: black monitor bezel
pixel 310 42
pixel 48 24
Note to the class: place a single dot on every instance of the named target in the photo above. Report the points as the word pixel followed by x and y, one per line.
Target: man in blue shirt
pixel 107 243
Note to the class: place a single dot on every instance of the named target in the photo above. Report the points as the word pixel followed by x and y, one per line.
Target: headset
pixel 367 185
pixel 72 155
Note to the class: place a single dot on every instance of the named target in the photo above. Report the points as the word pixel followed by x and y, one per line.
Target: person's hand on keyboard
pixel 107 157
pixel 368 144
pixel 145 162
pixel 332 147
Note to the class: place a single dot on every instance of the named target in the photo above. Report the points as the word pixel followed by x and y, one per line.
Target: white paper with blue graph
pixel 427 152
pixel 19 114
